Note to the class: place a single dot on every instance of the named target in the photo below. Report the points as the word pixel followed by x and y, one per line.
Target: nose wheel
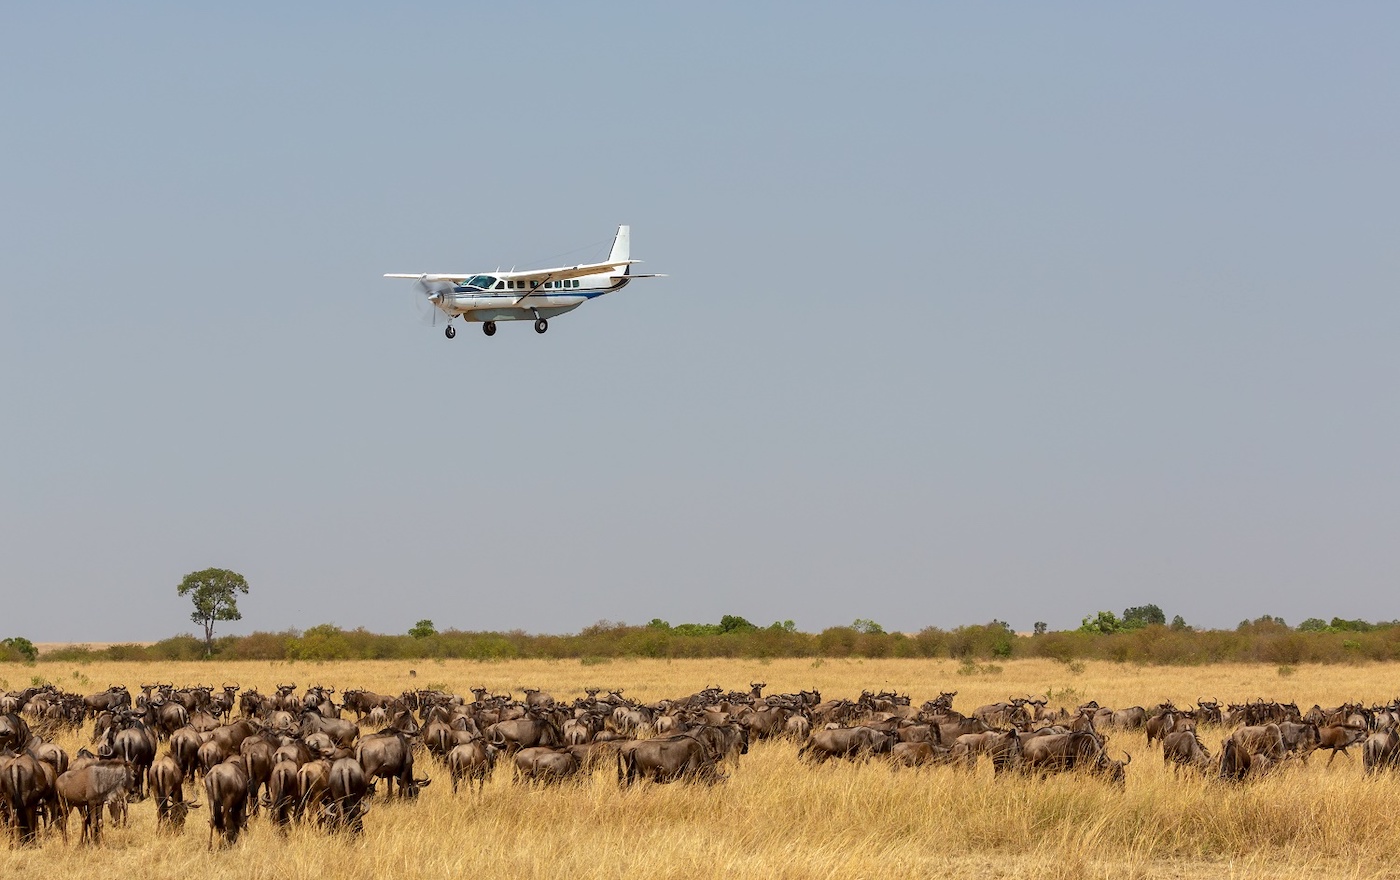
pixel 541 325
pixel 489 328
pixel 450 331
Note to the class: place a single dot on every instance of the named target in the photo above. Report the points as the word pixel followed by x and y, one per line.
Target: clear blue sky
pixel 1014 311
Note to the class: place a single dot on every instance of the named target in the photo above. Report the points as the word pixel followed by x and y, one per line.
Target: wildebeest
pixel 1381 751
pixel 669 759
pixel 1264 739
pixel 226 793
pixel 26 784
pixel 388 755
pixel 90 788
pixel 473 761
pixel 845 742
pixel 345 802
pixel 1003 748
pixel 167 788
pixel 283 794
pixel 545 764
pixel 1339 737
pixel 1184 749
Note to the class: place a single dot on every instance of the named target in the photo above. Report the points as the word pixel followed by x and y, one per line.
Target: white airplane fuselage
pixel 492 302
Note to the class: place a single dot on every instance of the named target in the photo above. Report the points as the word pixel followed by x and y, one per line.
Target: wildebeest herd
pixel 307 758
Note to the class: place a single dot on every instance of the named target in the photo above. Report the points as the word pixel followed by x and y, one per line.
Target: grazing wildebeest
pixel 88 789
pixel 523 733
pixel 1264 739
pixel 1003 748
pixel 1234 760
pixel 226 793
pixel 345 803
pixel 672 758
pixel 1381 751
pixel 167 788
pixel 1059 752
pixel 283 793
pixel 544 764
pixel 135 743
pixel 388 755
pixel 473 761
pixel 25 787
pixel 313 777
pixel 1184 749
pixel 343 732
pixel 845 742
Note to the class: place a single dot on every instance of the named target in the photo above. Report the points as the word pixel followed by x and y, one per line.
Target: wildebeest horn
pixel 1129 756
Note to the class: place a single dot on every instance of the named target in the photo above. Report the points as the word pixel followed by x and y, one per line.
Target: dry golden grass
pixel 776 817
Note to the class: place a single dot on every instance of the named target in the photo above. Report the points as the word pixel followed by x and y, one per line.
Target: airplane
pixel 488 297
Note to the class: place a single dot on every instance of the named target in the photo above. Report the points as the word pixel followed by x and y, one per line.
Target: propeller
pixel 426 297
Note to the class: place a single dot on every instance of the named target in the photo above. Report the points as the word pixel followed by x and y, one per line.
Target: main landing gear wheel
pixel 541 325
pixel 450 331
pixel 489 328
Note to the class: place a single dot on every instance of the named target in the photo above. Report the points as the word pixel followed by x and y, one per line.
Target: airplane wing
pixel 560 274
pixel 424 277
pixel 566 272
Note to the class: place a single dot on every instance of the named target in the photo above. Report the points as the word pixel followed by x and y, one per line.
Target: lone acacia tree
pixel 214 593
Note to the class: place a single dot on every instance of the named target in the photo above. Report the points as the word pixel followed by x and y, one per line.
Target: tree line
pixel 1265 639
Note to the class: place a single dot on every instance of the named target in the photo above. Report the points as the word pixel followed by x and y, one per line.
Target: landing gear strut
pixel 541 325
pixel 450 331
pixel 489 328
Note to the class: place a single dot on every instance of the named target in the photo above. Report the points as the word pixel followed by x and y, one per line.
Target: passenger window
pixel 575 282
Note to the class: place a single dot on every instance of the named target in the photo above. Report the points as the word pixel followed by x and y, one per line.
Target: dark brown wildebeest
pixel 538 699
pixel 135 743
pixel 1002 748
pixel 345 802
pixel 1234 760
pixel 184 748
pixel 88 789
pixel 1004 714
pixel 388 755
pixel 472 761
pixel 845 742
pixel 313 777
pixel 167 788
pixel 115 697
pixel 1381 751
pixel 231 736
pixel 1299 737
pixel 543 764
pixel 14 732
pixel 283 794
pixel 1264 739
pixel 165 717
pixel 1056 753
pixel 1340 737
pixel 342 731
pixel 25 787
pixel 523 733
pixel 222 705
pixel 673 758
pixel 226 793
pixel 257 754
pixel 1184 749
pixel 210 755
pixel 1131 718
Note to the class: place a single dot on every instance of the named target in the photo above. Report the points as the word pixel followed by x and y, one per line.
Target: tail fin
pixel 622 245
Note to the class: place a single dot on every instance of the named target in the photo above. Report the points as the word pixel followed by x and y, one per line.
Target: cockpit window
pixel 481 282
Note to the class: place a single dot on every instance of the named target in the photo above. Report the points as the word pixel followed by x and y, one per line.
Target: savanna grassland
pixel 776 817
